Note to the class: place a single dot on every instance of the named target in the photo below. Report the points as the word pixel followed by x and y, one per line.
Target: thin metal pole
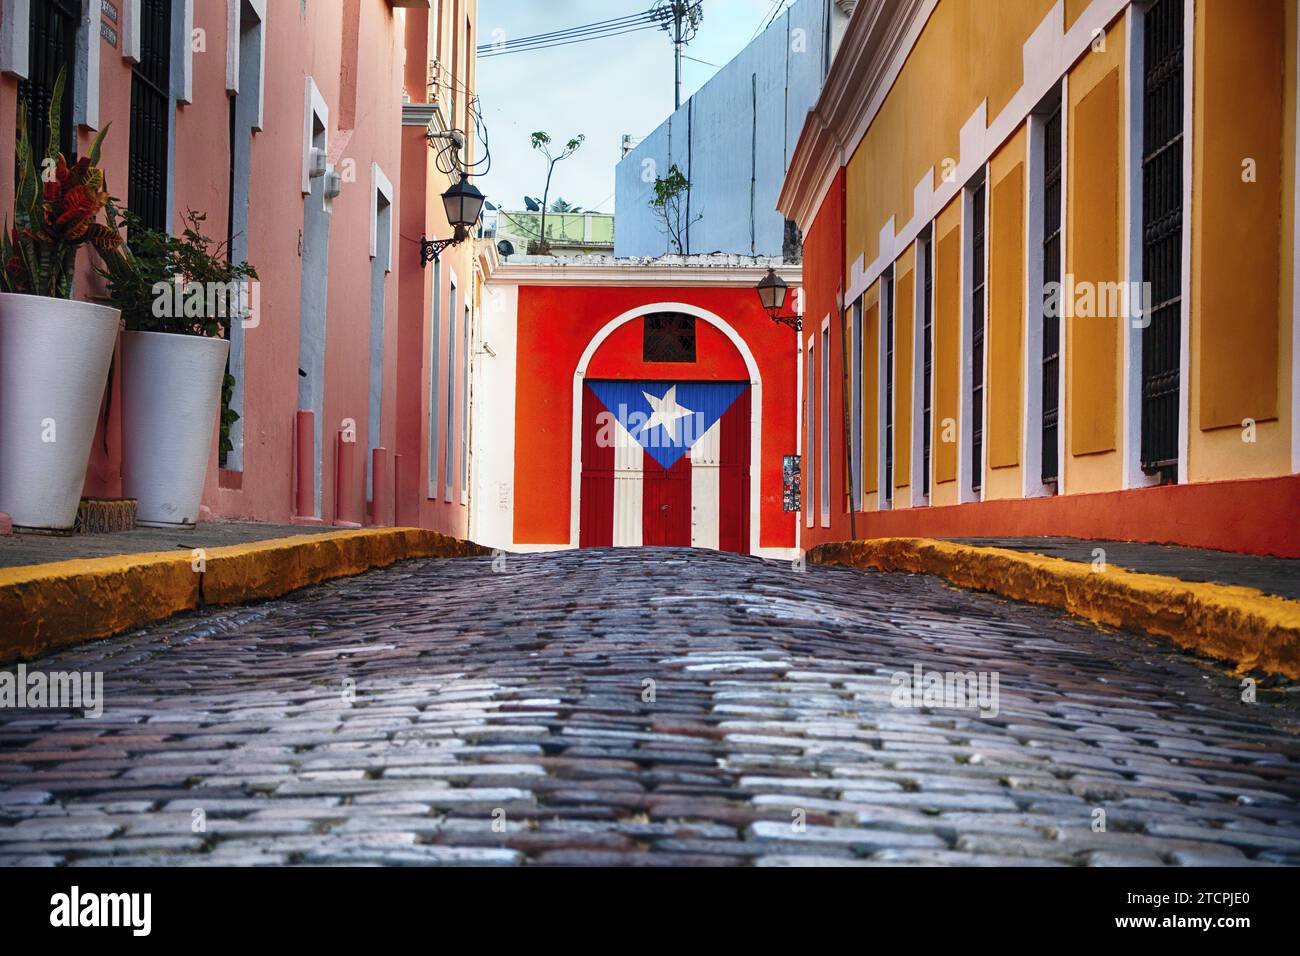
pixel 679 10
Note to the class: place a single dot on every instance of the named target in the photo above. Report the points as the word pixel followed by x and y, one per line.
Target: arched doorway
pixel 666 433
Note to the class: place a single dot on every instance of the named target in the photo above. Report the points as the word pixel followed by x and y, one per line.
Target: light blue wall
pixel 733 140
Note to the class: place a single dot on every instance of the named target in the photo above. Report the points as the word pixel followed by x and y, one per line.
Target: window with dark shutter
pixel 927 357
pixel 977 312
pixel 887 295
pixel 669 337
pixel 1162 234
pixel 1051 356
pixel 52 46
pixel 151 116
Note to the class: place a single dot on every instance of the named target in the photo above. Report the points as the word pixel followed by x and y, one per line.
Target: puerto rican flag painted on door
pixel 665 463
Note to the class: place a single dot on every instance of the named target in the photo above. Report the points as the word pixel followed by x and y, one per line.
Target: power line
pixel 763 21
pixel 581 39
pixel 594 31
pixel 599 24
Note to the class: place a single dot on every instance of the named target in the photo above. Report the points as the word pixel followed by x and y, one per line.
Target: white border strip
pixel 380 185
pixel 1189 149
pixel 131 30
pixel 15 33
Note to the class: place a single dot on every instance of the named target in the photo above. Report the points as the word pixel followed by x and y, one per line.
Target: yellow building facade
pixel 1069 270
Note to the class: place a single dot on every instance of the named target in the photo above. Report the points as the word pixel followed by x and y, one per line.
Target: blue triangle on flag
pixel 667 418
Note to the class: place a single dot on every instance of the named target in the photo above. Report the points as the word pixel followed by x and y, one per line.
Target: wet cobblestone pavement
pixel 441 712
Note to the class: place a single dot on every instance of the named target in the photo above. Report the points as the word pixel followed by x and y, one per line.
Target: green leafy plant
pixel 228 415
pixel 56 212
pixel 668 203
pixel 184 285
pixel 542 143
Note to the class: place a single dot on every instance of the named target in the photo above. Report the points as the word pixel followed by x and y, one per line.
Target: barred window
pixel 1051 355
pixel 977 312
pixel 151 115
pixel 1162 232
pixel 52 46
pixel 669 337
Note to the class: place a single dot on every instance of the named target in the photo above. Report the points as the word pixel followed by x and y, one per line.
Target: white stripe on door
pixel 706 504
pixel 629 459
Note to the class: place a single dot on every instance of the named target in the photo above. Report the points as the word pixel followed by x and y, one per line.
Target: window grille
pixel 151 116
pixel 978 252
pixel 1162 234
pixel 52 46
pixel 669 337
pixel 1051 357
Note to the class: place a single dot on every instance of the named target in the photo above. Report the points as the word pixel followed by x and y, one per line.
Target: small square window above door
pixel 669 337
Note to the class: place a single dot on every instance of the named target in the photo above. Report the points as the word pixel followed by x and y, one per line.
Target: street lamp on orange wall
pixel 772 292
pixel 463 203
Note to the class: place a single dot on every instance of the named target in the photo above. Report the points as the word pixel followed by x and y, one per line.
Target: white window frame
pixel 467 343
pixel 824 426
pixel 316 111
pixel 965 435
pixel 435 381
pixel 15 55
pixel 182 65
pixel 885 495
pixel 381 187
pixel 919 498
pixel 856 433
pixel 236 12
pixel 251 10
pixel 449 455
pixel 1131 335
pixel 1031 436
pixel 1189 152
pixel 810 409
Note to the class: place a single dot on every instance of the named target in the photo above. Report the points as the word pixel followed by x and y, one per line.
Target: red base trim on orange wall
pixel 1250 516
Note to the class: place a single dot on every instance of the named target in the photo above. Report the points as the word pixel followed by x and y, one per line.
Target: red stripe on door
pixel 666 503
pixel 596 498
pixel 733 477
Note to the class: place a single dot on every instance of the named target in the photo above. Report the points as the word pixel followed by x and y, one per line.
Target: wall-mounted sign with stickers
pixel 791 491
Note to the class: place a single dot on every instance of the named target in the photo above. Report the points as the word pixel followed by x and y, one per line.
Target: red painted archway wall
pixel 555 326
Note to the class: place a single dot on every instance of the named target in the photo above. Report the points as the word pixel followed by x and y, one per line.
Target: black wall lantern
pixel 463 203
pixel 772 291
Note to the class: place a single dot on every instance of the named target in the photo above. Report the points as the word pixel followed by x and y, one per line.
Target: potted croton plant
pixel 178 296
pixel 54 352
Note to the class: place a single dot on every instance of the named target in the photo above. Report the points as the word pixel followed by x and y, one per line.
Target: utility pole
pixel 685 17
pixel 677 56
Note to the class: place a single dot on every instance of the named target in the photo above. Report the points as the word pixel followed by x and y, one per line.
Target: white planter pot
pixel 171 394
pixel 54 359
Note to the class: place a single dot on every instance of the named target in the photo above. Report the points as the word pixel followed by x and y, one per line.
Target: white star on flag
pixel 666 412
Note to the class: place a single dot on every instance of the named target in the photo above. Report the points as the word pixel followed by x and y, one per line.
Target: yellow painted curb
pixel 1253 630
pixel 47 606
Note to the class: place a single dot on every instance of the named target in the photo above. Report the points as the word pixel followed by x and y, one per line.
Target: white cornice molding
pixel 880 36
pixel 642 274
pixel 424 114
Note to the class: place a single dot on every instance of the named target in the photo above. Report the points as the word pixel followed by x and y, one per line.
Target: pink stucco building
pixel 301 129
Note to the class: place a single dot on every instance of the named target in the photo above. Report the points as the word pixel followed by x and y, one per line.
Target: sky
pixel 603 88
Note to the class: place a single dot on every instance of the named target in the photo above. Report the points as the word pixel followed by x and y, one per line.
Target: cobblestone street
pixel 645 707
